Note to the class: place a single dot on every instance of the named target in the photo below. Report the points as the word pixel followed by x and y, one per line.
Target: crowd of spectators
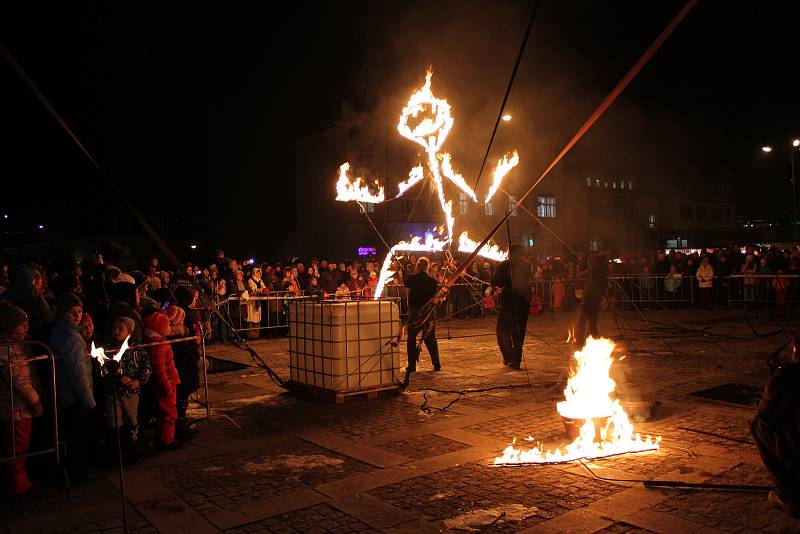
pixel 70 305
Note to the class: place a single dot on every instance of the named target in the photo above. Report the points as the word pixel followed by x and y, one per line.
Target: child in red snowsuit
pixel 558 293
pixel 165 377
pixel 24 388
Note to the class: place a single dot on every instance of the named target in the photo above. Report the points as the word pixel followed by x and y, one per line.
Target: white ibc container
pixel 344 345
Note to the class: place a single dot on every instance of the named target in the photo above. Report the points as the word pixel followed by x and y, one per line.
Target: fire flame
pixel 430 132
pixel 492 252
pixel 606 429
pixel 415 245
pixel 99 353
pixel 504 166
pixel 358 190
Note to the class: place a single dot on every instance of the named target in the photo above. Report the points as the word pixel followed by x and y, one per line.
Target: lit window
pixel 613 185
pixel 512 205
pixel 594 244
pixel 597 183
pixel 488 208
pixel 370 207
pixel 605 184
pixel 547 207
pixel 588 182
pixel 630 184
pixel 651 222
pixel 463 203
pixel 622 184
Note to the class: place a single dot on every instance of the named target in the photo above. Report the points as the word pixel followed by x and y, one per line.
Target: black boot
pixel 184 429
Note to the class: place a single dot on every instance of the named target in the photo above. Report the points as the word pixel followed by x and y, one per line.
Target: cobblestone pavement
pixel 269 461
pixel 319 518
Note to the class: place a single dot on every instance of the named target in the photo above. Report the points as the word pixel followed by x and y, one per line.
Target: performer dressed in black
pixel 593 291
pixel 513 276
pixel 776 430
pixel 422 288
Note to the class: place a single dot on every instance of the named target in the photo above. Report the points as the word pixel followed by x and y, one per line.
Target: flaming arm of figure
pixel 504 166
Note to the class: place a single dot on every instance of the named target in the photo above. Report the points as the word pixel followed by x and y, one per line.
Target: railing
pixel 7 366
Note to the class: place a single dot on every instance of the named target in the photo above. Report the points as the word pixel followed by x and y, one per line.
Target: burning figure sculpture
pixel 430 133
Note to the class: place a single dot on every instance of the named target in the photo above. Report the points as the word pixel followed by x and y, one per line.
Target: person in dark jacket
pixel 73 380
pixel 593 292
pixel 124 303
pixel 513 276
pixel 776 430
pixel 25 291
pixel 422 288
pixel 329 279
pixel 187 356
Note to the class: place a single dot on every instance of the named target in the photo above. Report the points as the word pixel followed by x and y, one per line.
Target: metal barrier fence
pixel 7 369
pixel 273 311
pixel 469 299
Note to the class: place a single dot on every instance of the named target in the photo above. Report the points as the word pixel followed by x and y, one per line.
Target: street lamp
pixel 507 117
pixel 795 145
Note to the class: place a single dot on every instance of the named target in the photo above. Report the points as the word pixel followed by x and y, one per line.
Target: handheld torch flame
pixel 99 353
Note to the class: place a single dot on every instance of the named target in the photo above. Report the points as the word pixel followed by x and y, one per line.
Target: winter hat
pixel 175 315
pixel 129 323
pixel 122 290
pixel 158 323
pixel 124 278
pixel 66 301
pixel 184 296
pixel 10 317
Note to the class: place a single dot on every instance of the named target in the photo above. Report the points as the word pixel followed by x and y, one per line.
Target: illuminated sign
pixel 367 251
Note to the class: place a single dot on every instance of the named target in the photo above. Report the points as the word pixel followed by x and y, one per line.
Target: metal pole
pixel 794 197
pixel 205 372
pixel 119 456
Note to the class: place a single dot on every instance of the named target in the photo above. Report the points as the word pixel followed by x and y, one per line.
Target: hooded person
pixel 124 303
pixel 165 375
pixel 20 401
pixel 73 380
pixel 187 356
pixel 23 293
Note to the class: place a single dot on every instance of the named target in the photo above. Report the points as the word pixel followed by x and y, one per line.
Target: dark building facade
pixel 589 206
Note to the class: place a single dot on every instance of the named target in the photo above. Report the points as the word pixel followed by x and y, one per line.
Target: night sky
pixel 193 109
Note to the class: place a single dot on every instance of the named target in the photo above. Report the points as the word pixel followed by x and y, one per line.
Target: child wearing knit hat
pixel 19 403
pixel 165 376
pixel 134 372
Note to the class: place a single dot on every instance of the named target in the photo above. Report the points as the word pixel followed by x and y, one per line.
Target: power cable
pixel 508 90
